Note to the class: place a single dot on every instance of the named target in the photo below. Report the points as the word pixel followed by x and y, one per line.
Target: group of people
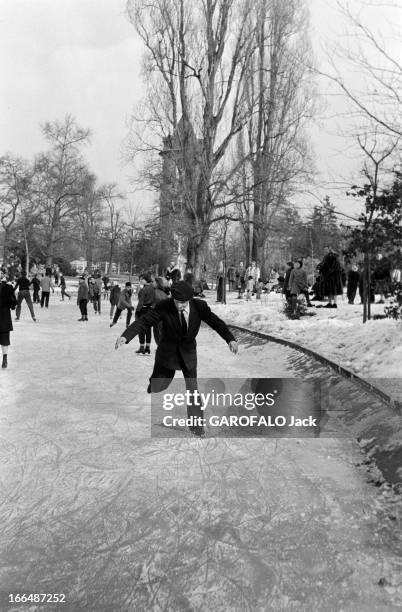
pixel 329 284
pixel 15 288
pixel 41 282
pixel 245 280
pixel 167 306
pixel 151 291
pixel 332 279
pixel 89 290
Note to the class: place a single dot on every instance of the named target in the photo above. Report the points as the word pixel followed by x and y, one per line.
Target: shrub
pixel 394 309
pixel 301 308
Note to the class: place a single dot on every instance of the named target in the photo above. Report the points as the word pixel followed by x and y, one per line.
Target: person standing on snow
pixel 22 285
pixel 298 284
pixel 7 303
pixel 46 284
pixel 114 297
pixel 35 282
pixel 82 298
pixel 62 282
pixel 332 277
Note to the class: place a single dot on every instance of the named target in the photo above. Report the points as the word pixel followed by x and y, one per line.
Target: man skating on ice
pixel 181 317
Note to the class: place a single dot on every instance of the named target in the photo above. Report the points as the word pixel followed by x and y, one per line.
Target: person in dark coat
pixel 241 280
pixel 382 276
pixel 286 287
pixel 181 317
pixel 123 304
pixel 173 273
pixel 353 282
pixel 22 285
pixel 114 297
pixel 105 280
pixel 7 303
pixel 62 282
pixel 318 286
pixel 94 290
pixel 35 282
pixel 82 299
pixel 146 299
pixel 331 271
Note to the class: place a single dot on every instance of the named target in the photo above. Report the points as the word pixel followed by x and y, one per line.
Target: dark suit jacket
pixel 174 344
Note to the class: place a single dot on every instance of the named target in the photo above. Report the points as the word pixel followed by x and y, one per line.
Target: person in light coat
pixel 254 272
pixel 46 285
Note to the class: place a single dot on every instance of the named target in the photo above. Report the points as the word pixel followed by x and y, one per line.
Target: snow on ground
pixel 373 349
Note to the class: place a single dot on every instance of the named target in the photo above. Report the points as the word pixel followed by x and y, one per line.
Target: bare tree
pixel 114 230
pixel 91 214
pixel 132 227
pixel 197 56
pixel 369 234
pixel 281 101
pixel 367 67
pixel 15 182
pixel 61 178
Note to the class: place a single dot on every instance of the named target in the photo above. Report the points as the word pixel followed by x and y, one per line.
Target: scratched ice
pixel 91 507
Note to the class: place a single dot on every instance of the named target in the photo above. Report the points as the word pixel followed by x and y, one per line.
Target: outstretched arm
pixel 217 325
pixel 142 324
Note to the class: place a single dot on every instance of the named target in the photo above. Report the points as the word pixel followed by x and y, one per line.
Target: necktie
pixel 183 322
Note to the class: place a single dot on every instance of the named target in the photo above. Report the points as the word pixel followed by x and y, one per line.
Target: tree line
pixel 53 207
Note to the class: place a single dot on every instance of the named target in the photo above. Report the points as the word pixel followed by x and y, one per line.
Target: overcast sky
pixel 82 57
pixel 68 56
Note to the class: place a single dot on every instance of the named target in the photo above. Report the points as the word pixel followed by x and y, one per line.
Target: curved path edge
pixel 395 404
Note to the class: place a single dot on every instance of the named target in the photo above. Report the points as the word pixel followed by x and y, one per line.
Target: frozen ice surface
pixel 91 507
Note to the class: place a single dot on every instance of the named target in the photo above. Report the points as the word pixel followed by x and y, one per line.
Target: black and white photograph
pixel 201 305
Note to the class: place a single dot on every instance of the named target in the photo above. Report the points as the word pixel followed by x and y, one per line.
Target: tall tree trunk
pixel 111 254
pixel 89 251
pixel 5 247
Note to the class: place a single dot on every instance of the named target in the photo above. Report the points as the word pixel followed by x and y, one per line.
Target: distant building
pixel 173 230
pixel 79 265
